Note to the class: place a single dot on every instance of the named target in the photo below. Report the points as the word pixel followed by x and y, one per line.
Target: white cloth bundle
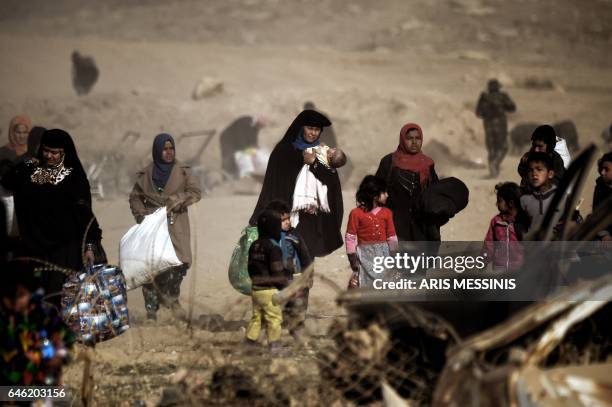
pixel 146 250
pixel 561 149
pixel 309 194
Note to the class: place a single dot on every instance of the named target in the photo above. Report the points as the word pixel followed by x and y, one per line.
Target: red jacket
pixel 371 227
pixel 502 245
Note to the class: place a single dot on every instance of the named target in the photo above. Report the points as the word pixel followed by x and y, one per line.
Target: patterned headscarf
pixel 70 163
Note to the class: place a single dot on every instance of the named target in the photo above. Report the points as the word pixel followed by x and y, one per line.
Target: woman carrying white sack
pixel 166 182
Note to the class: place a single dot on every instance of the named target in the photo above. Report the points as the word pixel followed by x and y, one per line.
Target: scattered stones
pixel 207 87
pixel 473 55
pixel 180 376
pixel 216 323
pixel 540 83
pixel 171 396
pixel 283 367
pixel 231 382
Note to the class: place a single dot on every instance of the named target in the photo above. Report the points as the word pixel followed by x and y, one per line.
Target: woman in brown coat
pixel 166 182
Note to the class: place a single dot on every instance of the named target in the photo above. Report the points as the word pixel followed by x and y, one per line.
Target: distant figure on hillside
pixel 84 73
pixel 241 135
pixel 492 108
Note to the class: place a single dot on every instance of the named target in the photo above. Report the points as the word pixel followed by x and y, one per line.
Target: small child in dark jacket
pixel 267 276
pixel 296 258
pixel 603 191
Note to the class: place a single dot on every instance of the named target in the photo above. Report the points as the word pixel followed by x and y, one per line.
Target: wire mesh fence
pixel 345 357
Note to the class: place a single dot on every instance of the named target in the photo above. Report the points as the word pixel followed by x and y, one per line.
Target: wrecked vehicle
pixel 552 346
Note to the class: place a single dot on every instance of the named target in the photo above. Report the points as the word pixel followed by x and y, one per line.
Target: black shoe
pixel 250 343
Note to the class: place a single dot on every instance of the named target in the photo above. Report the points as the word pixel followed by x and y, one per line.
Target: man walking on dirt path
pixel 492 108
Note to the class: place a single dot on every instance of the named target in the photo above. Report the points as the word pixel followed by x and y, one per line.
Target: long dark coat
pixel 321 232
pixel 55 219
pixel 405 190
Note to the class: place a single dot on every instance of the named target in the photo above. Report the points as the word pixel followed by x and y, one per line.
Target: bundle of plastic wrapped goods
pixel 94 304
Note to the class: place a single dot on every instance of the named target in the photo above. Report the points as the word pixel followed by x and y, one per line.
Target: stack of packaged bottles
pixel 94 304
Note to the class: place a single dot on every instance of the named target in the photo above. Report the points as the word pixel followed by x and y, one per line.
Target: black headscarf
pixel 547 134
pixel 57 138
pixel 305 118
pixel 34 139
pixel 161 169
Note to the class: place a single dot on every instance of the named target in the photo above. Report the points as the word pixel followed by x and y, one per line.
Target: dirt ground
pixel 372 66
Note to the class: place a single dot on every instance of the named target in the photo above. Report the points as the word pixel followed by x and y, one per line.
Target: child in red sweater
pixel 370 231
pixel 506 229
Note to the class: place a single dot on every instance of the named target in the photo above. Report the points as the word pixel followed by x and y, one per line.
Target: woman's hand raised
pixel 309 158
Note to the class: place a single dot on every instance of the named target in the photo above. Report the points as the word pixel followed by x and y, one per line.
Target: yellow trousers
pixel 263 308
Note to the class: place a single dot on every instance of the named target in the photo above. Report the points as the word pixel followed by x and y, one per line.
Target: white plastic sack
pixel 146 250
pixel 244 162
pixel 11 220
pixel 252 161
pixel 260 161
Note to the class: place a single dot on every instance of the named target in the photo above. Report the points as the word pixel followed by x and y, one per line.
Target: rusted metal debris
pixel 555 352
pixel 471 378
pixel 589 385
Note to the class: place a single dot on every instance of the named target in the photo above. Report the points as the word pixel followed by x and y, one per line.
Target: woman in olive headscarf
pixel 166 182
pixel 53 208
pixel 320 231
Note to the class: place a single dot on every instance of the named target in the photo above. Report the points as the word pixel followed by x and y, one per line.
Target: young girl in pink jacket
pixel 506 229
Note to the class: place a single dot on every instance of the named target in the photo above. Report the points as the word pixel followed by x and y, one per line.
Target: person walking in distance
pixel 492 107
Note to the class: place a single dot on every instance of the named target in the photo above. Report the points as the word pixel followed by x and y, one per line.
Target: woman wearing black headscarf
pixel 321 231
pixel 53 208
pixel 166 182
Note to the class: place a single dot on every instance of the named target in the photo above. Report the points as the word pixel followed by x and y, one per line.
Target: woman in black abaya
pixel 320 231
pixel 53 208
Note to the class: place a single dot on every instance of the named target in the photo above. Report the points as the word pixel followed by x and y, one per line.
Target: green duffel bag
pixel 238 272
